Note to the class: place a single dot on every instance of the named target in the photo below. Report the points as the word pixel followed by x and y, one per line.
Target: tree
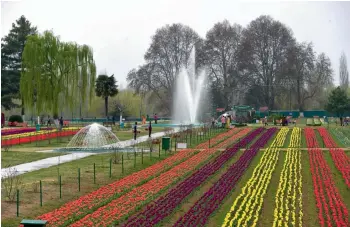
pixel 221 57
pixel 338 102
pixel 343 72
pixel 307 76
pixel 106 87
pixel 170 50
pixel 297 69
pixel 12 47
pixel 262 54
pixel 60 73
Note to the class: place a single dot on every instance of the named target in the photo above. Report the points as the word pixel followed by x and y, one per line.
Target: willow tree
pixel 57 73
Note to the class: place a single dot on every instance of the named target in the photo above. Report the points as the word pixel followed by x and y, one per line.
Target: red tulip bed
pixel 213 142
pixel 161 208
pixel 341 160
pixel 76 209
pixel 331 208
pixel 211 200
pixel 141 195
pixel 219 140
pixel 38 137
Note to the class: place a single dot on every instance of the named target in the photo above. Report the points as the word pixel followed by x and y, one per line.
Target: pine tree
pixel 12 47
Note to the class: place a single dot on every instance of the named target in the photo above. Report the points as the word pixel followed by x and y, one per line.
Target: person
pixel 113 120
pixel 212 122
pixel 155 118
pixel 149 129
pixel 223 121
pixel 228 122
pixel 135 130
pixel 48 121
pixel 61 123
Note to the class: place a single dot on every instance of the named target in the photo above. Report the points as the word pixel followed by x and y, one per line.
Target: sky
pixel 120 31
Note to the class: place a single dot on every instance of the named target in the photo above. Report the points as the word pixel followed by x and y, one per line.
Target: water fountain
pixel 188 91
pixel 92 138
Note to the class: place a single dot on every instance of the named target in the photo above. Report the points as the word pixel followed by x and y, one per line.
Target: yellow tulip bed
pixel 288 202
pixel 246 208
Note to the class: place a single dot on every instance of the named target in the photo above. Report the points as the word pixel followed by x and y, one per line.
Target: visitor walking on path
pixel 149 129
pixel 135 130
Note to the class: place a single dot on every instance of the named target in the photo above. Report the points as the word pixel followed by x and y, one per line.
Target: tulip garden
pixel 29 135
pixel 271 176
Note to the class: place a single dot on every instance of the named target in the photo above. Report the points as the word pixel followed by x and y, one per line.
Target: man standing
pixel 135 130
pixel 149 129
pixel 61 123
pixel 155 118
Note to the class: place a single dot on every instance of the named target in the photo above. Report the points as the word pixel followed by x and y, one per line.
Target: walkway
pixel 48 162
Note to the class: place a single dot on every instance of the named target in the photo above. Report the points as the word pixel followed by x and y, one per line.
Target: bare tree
pixel 343 72
pixel 170 49
pixel 263 50
pixel 298 69
pixel 221 57
pixel 10 182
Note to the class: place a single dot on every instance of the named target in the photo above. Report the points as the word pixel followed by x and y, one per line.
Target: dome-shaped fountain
pixel 91 138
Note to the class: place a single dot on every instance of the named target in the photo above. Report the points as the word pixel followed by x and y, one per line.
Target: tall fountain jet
pixel 188 91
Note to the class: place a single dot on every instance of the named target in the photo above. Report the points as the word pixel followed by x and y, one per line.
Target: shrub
pixel 10 182
pixel 16 118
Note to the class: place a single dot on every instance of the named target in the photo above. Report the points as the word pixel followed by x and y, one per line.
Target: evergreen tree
pixel 338 102
pixel 12 47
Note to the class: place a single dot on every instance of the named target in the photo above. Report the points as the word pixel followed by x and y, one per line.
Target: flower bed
pixel 139 196
pixel 6 132
pixel 247 206
pixel 331 208
pixel 288 202
pixel 211 200
pixel 36 136
pixel 159 209
pixel 222 138
pixel 341 160
pixel 78 208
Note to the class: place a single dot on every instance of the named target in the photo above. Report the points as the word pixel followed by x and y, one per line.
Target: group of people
pixel 155 117
pixel 226 121
pixel 344 121
pixel 135 129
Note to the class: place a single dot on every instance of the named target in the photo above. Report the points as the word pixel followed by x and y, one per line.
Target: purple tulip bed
pixel 165 205
pixel 199 213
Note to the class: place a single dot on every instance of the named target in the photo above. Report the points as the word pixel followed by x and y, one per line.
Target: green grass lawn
pixel 12 158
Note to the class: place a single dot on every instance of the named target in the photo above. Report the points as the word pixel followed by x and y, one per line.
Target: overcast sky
pixel 120 31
